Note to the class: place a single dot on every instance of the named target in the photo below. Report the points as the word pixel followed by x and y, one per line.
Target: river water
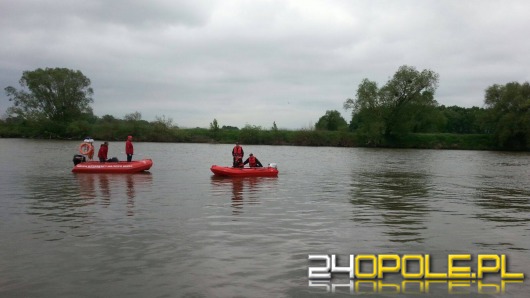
pixel 178 231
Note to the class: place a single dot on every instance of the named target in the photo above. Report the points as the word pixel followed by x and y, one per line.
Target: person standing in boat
pixel 129 148
pixel 103 151
pixel 253 162
pixel 237 154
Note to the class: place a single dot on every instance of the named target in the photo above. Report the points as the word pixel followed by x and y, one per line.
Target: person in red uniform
pixel 237 154
pixel 129 149
pixel 238 163
pixel 253 162
pixel 103 151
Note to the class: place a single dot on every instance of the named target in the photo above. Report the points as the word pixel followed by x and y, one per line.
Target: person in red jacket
pixel 103 151
pixel 253 162
pixel 237 154
pixel 129 149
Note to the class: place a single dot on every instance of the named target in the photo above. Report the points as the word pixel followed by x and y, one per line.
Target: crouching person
pixel 253 162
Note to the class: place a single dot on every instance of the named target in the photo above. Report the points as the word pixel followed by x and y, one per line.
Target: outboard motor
pixel 78 158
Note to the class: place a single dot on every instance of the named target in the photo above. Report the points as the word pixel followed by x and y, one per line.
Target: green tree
pixel 509 112
pixel 228 127
pixel 136 116
pixel 108 118
pixel 134 125
pixel 106 127
pixel 164 122
pixel 274 128
pixel 367 113
pixel 404 96
pixel 463 120
pixel 55 94
pixel 396 108
pixel 214 129
pixel 214 126
pixel 160 130
pixel 251 134
pixel 332 120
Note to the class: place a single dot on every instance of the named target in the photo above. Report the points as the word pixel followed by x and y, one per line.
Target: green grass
pixel 255 135
pixel 448 141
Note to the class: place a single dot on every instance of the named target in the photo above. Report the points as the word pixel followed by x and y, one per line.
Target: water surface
pixel 179 231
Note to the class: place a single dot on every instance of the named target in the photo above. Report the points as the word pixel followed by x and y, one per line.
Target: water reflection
pixel 75 198
pixel 395 199
pixel 237 196
pixel 131 193
pixel 242 190
pixel 204 237
pixel 105 189
pixel 502 196
pixel 503 205
pixel 87 189
pixel 113 186
pixel 57 198
pixel 504 210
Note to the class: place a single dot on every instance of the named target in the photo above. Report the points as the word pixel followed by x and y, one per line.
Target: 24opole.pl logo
pixel 366 273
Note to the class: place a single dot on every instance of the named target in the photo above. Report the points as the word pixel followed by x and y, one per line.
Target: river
pixel 179 231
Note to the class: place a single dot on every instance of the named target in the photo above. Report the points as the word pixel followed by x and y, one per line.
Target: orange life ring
pixel 86 149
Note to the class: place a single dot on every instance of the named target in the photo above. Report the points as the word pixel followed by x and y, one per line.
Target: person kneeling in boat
pixel 103 151
pixel 253 162
pixel 238 163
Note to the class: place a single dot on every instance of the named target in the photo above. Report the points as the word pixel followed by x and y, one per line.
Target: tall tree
pixel 214 126
pixel 56 94
pixel 136 116
pixel 214 129
pixel 396 108
pixel 274 126
pixel 332 120
pixel 404 96
pixel 367 113
pixel 462 120
pixel 509 112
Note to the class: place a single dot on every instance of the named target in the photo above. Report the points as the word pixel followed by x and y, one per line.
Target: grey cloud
pixel 262 61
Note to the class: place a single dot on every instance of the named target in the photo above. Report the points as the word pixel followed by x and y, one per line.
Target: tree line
pixel 405 105
pixel 55 103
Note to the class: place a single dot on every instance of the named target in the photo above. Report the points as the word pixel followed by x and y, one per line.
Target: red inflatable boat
pixel 113 167
pixel 270 171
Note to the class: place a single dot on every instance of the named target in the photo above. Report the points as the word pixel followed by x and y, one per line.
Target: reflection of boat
pixel 113 167
pixel 113 188
pixel 243 191
pixel 270 171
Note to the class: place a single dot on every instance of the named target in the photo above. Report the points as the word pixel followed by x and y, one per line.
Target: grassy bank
pixel 448 141
pixel 143 131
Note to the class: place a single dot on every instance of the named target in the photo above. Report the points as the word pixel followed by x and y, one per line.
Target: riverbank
pixel 258 136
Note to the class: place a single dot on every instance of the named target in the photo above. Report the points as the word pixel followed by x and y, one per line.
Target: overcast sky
pixel 259 62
